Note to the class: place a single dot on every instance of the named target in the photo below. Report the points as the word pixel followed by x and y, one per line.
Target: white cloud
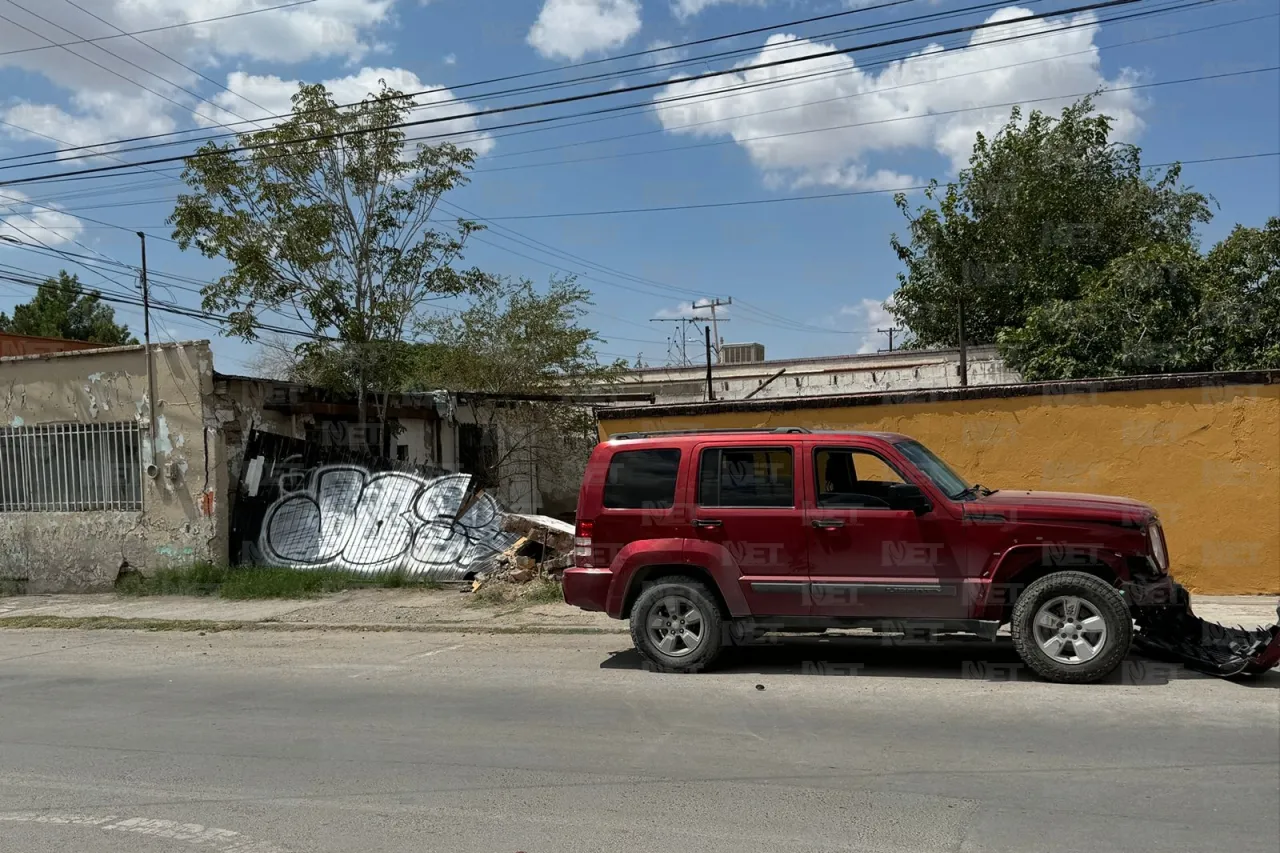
pixel 866 317
pixel 106 105
pixel 696 310
pixel 571 29
pixel 275 94
pixel 34 225
pixel 96 116
pixel 325 29
pixel 451 59
pixel 688 8
pixel 930 82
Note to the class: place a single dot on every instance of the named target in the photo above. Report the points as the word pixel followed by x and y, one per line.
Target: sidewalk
pixel 400 610
pixel 367 609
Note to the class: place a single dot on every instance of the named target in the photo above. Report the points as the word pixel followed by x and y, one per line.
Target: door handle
pixel 827 523
pixel 707 522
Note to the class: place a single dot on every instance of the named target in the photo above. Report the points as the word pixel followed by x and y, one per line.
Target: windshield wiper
pixel 973 491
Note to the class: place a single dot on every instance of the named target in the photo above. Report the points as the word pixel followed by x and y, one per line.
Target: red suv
pixel 702 537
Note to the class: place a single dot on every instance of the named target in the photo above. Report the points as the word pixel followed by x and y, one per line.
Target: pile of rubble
pixel 544 549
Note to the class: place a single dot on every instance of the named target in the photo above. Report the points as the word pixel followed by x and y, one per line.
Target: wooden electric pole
pixel 711 394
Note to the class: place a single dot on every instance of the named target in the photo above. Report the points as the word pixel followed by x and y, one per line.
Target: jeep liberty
pixel 703 538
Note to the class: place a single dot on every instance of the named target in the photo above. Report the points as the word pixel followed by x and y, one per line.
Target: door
pixel 749 515
pixel 866 558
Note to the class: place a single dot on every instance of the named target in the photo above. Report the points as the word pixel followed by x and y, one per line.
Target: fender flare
pixel 1020 556
pixel 709 557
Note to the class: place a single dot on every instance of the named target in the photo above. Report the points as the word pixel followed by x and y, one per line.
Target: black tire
pixel 1105 599
pixel 652 604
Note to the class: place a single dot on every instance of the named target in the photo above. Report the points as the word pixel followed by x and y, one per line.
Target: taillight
pixel 582 545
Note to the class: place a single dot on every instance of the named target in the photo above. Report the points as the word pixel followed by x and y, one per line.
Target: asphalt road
pixel 263 742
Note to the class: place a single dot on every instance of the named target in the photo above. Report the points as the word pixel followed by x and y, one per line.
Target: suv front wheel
pixel 1071 627
pixel 676 625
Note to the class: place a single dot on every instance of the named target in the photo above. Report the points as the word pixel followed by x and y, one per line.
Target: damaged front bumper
pixel 1167 629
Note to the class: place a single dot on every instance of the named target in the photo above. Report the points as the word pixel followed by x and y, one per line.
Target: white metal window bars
pixel 71 467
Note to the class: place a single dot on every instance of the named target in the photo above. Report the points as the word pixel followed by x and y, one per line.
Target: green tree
pixel 1044 204
pixel 327 219
pixel 519 342
pixel 1240 316
pixel 1137 315
pixel 63 308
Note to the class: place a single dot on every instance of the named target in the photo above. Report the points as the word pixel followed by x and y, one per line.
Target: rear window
pixel 642 479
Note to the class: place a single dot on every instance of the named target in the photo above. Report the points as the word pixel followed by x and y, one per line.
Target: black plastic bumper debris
pixel 1173 632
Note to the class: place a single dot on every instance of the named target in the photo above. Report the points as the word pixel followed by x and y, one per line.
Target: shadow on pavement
pixel 949 658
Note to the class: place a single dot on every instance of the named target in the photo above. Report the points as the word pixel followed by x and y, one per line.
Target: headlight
pixel 1155 537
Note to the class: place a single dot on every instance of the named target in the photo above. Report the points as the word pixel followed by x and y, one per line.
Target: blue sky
pixel 806 277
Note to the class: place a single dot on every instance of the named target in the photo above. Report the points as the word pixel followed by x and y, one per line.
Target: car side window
pixel 856 479
pixel 642 479
pixel 747 477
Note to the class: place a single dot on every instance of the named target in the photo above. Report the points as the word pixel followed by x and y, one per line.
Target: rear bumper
pixel 587 588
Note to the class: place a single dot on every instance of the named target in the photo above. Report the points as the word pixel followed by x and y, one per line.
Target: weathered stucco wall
pixel 183 516
pixel 815 377
pixel 1207 458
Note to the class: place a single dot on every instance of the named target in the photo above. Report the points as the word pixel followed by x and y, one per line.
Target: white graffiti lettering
pixel 343 516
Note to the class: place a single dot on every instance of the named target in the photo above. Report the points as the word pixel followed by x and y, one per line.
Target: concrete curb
pixel 120 623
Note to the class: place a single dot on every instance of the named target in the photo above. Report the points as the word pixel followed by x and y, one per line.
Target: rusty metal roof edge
pixel 427 398
pixel 105 350
pixel 1152 382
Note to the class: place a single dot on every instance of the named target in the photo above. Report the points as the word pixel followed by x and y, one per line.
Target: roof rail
pixel 758 430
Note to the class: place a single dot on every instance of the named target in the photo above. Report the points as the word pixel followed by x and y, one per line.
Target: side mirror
pixel 909 496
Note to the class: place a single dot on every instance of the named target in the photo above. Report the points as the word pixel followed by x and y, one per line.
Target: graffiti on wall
pixel 299 507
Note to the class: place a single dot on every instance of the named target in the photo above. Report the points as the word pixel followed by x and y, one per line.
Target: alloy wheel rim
pixel 676 626
pixel 1070 630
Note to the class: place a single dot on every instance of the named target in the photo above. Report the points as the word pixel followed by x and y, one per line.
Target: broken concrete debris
pixel 543 549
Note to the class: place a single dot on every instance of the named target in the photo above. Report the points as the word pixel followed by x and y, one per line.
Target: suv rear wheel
pixel 1071 627
pixel 676 625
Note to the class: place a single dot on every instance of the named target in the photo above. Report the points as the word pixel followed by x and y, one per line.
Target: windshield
pixel 951 483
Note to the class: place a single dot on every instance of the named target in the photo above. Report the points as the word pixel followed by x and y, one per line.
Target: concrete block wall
pixel 184 515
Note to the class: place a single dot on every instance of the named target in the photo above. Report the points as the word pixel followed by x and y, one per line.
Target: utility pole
pixel 713 304
pixel 711 394
pixel 890 331
pixel 681 349
pixel 964 353
pixel 146 337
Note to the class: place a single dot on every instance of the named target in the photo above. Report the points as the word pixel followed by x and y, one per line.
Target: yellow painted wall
pixel 1208 460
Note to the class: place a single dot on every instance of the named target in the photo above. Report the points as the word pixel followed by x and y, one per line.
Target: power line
pixel 784 199
pixel 894 119
pixel 660 104
pixel 114 55
pixel 784 82
pixel 748 306
pixel 799 79
pixel 863 93
pixel 177 62
pixel 581 96
pixel 539 72
pixel 32 279
pixel 848 126
pixel 61 154
pixel 159 29
pixel 678 291
pixel 674 102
